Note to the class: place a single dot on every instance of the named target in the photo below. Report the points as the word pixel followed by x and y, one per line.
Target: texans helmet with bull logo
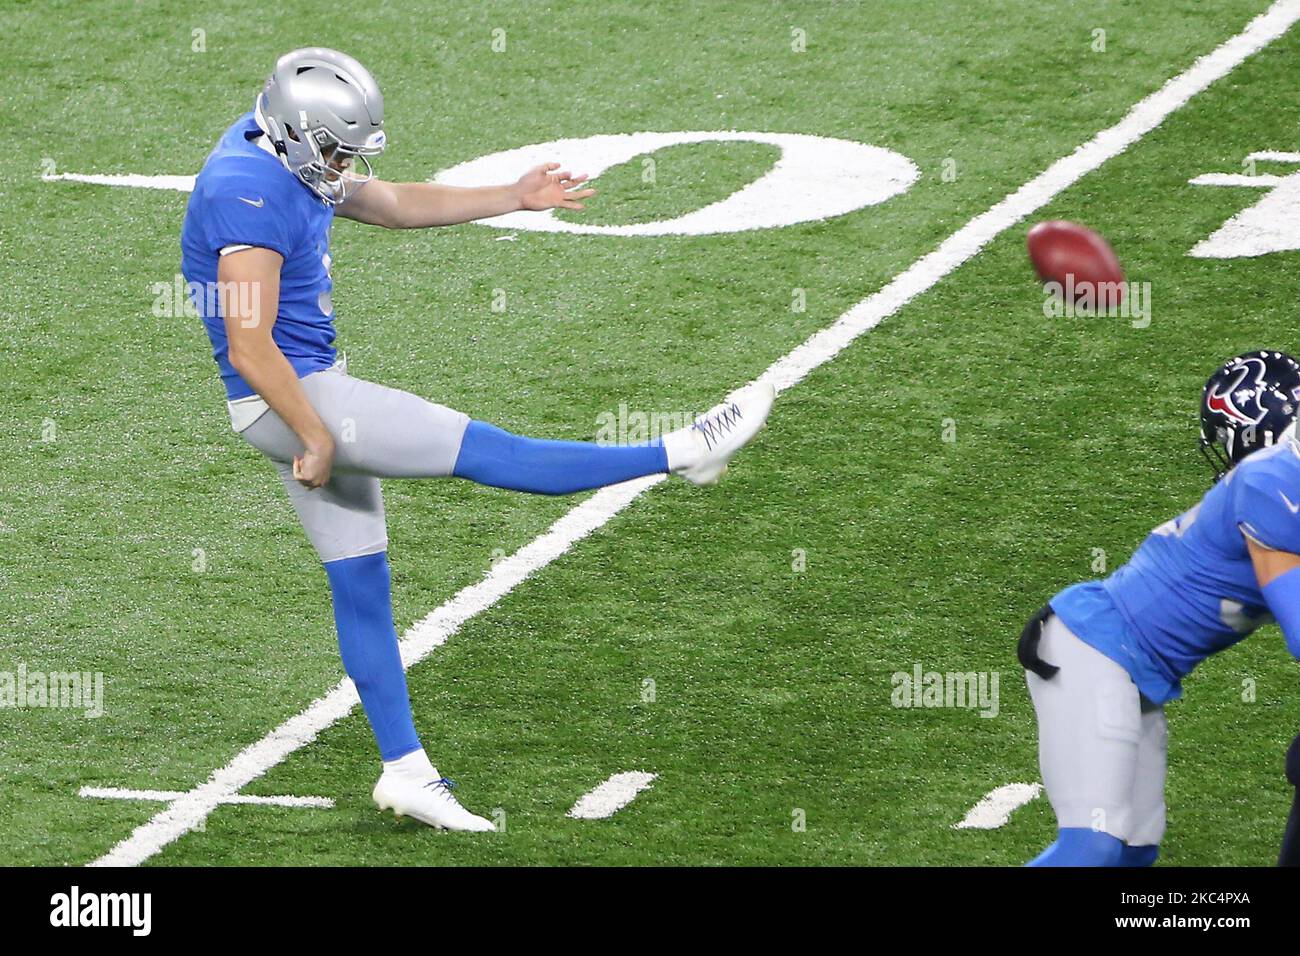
pixel 1246 405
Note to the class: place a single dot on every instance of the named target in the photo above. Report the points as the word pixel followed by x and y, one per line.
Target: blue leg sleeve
pixel 1139 855
pixel 363 614
pixel 1080 846
pixel 492 456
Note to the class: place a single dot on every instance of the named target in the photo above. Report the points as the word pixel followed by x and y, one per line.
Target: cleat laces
pixel 716 426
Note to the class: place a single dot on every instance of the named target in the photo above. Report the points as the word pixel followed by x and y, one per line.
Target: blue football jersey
pixel 1190 590
pixel 245 196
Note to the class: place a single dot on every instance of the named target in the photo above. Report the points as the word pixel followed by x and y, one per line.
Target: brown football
pixel 1080 261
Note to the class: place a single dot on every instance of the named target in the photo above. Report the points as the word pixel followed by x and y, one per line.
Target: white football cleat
pixel 700 453
pixel 427 799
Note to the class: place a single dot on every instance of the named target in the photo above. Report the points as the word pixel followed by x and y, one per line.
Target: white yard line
pixel 167 796
pixel 193 807
pixel 182 184
pixel 612 795
pixel 996 806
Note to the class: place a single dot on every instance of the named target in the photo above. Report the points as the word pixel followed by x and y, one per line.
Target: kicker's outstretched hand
pixel 544 188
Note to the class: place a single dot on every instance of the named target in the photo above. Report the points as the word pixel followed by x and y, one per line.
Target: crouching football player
pixel 257 230
pixel 1103 657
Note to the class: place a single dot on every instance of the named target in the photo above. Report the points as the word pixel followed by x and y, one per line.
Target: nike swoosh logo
pixel 257 204
pixel 1295 509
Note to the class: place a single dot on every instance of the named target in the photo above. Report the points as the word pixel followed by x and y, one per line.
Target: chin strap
pixel 277 146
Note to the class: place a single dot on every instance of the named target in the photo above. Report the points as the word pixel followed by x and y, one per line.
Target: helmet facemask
pixel 1213 450
pixel 338 169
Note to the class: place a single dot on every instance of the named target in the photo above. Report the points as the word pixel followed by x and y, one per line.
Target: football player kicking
pixel 1103 657
pixel 257 232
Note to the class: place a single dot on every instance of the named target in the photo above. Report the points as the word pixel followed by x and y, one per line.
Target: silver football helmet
pixel 324 114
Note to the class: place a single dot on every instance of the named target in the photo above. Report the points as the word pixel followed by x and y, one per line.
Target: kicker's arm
pixel 249 283
pixel 416 205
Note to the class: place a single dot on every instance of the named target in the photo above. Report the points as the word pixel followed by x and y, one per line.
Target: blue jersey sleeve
pixel 1267 512
pixel 238 213
pixel 1283 597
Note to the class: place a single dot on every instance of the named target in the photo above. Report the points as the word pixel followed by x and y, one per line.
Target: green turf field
pixel 140 538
